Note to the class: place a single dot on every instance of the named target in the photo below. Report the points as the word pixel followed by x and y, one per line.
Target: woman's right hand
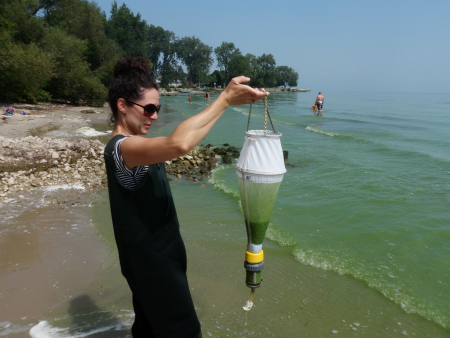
pixel 236 93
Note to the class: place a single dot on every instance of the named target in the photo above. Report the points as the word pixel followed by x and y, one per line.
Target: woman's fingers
pixel 241 79
pixel 237 93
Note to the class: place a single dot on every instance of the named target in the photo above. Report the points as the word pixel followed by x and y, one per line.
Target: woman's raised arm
pixel 138 151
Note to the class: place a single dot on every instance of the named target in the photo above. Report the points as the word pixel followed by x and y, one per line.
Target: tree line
pixel 66 50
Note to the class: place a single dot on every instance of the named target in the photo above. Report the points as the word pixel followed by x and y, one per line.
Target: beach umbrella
pixel 259 170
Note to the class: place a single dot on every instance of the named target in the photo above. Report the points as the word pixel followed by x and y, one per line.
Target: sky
pixel 361 46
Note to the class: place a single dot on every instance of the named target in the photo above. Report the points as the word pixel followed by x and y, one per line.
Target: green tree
pixel 181 75
pixel 223 55
pixel 216 78
pixel 26 27
pixel 256 79
pixel 267 69
pixel 72 80
pixel 54 48
pixel 196 56
pixel 239 65
pixel 24 68
pixel 88 25
pixel 128 30
pixel 286 76
pixel 162 54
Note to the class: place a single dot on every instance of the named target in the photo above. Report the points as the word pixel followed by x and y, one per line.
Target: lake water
pixel 358 243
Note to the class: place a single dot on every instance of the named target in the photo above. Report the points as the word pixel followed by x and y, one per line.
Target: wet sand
pixel 51 121
pixel 49 251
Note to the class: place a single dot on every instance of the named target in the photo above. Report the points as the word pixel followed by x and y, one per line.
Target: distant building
pixel 175 84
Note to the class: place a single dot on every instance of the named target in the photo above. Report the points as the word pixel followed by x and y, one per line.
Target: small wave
pixel 221 184
pixel 8 328
pixel 282 237
pixel 241 110
pixel 86 131
pixel 45 330
pixel 77 186
pixel 389 289
pixel 320 131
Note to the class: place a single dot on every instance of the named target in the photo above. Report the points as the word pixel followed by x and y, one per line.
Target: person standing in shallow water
pixel 319 103
pixel 151 251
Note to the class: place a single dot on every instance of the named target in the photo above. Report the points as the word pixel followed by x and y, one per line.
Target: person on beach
pixel 319 103
pixel 9 111
pixel 152 254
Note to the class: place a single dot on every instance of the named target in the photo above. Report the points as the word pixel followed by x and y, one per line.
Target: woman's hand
pixel 236 93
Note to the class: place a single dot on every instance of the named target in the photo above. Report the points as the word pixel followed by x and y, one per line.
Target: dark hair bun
pixel 132 65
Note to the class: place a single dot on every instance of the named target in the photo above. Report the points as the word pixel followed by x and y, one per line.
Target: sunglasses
pixel 149 109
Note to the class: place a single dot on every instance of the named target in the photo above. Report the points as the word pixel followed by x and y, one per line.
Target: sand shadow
pixel 88 320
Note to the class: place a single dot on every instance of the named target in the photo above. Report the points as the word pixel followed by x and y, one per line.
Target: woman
pixel 151 251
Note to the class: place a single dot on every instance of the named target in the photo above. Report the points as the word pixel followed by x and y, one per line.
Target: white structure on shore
pixel 176 84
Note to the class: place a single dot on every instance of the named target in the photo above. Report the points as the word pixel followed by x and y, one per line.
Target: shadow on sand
pixel 88 320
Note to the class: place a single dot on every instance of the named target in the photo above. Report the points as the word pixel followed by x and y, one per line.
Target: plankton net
pixel 260 170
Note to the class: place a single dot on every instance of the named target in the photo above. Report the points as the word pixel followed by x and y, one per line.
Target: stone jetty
pixel 34 162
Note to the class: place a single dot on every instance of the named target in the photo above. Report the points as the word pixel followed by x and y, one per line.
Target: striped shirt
pixel 129 178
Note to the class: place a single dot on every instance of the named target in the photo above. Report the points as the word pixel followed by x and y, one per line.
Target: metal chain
pixel 249 114
pixel 273 128
pixel 266 113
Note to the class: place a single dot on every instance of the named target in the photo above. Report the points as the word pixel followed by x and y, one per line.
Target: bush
pixel 168 89
pixel 24 69
pixel 94 92
pixel 289 89
pixel 43 96
pixel 283 89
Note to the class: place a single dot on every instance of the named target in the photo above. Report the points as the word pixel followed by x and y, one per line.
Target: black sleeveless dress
pixel 152 253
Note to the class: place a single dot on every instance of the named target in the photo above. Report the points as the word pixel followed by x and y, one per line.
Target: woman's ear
pixel 122 105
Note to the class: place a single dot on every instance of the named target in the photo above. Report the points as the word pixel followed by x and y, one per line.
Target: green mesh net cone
pixel 257 201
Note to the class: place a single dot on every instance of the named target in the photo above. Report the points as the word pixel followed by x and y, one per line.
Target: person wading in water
pixel 319 103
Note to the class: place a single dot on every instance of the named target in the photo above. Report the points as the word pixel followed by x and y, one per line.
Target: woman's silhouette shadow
pixel 88 320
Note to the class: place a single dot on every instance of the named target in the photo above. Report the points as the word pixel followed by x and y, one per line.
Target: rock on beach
pixel 34 162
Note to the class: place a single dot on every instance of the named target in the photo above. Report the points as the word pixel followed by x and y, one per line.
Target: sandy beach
pixel 48 248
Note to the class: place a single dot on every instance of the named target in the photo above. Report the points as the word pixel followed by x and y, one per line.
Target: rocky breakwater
pixel 198 163
pixel 32 162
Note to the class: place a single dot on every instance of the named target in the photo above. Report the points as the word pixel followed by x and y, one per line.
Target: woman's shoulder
pixel 109 148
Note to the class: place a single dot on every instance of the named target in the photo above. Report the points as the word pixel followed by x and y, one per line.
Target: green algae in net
pixel 259 206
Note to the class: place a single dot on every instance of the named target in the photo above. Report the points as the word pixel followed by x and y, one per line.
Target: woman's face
pixel 134 119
